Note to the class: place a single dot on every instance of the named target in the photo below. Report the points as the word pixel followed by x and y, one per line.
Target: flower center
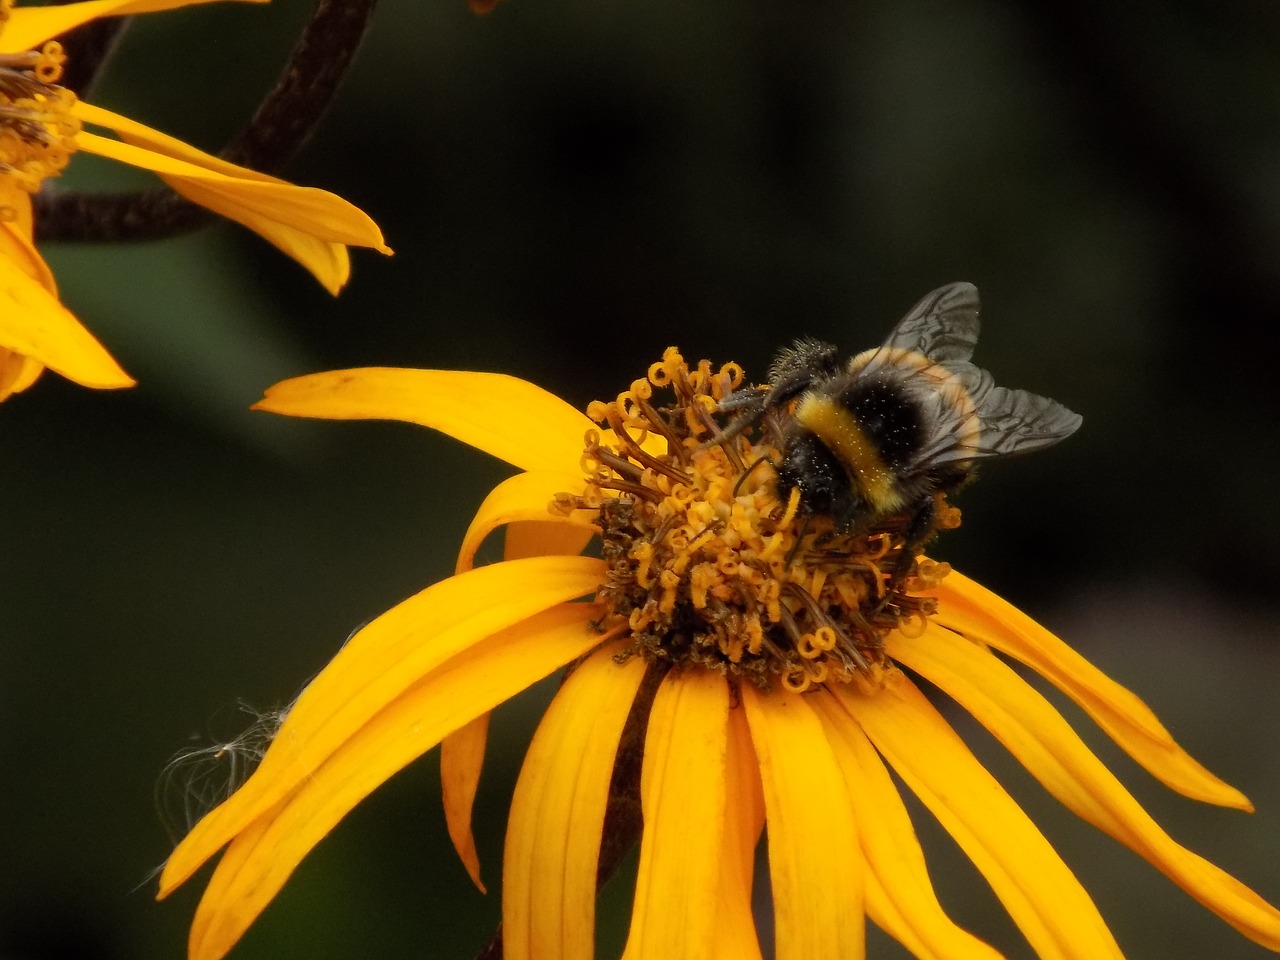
pixel 37 130
pixel 708 566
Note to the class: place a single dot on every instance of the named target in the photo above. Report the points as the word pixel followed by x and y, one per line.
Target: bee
pixel 884 434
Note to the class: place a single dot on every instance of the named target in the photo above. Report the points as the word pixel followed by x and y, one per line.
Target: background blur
pixel 570 186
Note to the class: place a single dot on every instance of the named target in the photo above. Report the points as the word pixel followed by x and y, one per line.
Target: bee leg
pixel 919 530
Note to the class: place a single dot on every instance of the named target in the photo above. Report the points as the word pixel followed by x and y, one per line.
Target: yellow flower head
pixel 42 126
pixel 752 647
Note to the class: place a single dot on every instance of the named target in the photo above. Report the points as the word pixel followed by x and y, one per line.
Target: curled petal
pixel 261 859
pixel 1044 742
pixel 558 810
pixel 682 795
pixel 1042 896
pixel 501 415
pixel 975 612
pixel 814 858
pixel 527 497
pixel 377 665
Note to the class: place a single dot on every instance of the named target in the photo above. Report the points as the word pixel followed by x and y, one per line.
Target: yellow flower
pixel 773 644
pixel 42 125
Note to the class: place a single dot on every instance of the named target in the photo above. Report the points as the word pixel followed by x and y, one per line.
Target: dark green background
pixel 570 186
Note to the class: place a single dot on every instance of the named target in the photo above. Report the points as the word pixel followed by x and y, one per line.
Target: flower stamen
pixel 37 129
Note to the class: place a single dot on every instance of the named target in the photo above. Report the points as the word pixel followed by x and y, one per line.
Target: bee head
pixel 824 485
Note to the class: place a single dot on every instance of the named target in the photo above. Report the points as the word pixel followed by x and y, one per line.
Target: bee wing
pixel 1011 421
pixel 943 326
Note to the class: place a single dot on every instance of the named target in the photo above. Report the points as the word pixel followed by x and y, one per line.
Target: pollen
pixel 37 129
pixel 709 567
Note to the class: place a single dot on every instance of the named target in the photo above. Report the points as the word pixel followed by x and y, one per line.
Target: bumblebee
pixel 882 435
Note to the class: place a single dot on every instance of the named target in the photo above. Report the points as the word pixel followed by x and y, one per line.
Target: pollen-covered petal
pixel 258 863
pixel 377 665
pixel 504 416
pixel 970 609
pixel 814 859
pixel 1044 742
pixel 461 760
pixel 682 796
pixel 1043 897
pixel 900 896
pixel 736 937
pixel 557 813
pixel 28 27
pixel 34 324
pixel 525 497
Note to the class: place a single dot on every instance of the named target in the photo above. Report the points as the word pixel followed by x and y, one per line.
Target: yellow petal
pixel 1044 742
pixel 682 796
pixel 258 863
pixel 501 415
pixel 736 937
pixel 558 810
pixel 317 212
pixel 525 497
pixel 462 752
pixel 545 538
pixel 900 896
pixel 814 858
pixel 326 260
pixel 376 666
pixel 308 224
pixel 16 373
pixel 461 760
pixel 977 613
pixel 28 27
pixel 34 324
pixel 1042 896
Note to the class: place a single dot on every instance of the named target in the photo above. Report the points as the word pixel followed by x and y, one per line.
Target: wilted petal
pixel 557 813
pixel 814 858
pixel 970 609
pixel 682 795
pixel 501 415
pixel 1041 894
pixel 28 27
pixel 1044 742
pixel 376 666
pixel 259 861
pixel 900 896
